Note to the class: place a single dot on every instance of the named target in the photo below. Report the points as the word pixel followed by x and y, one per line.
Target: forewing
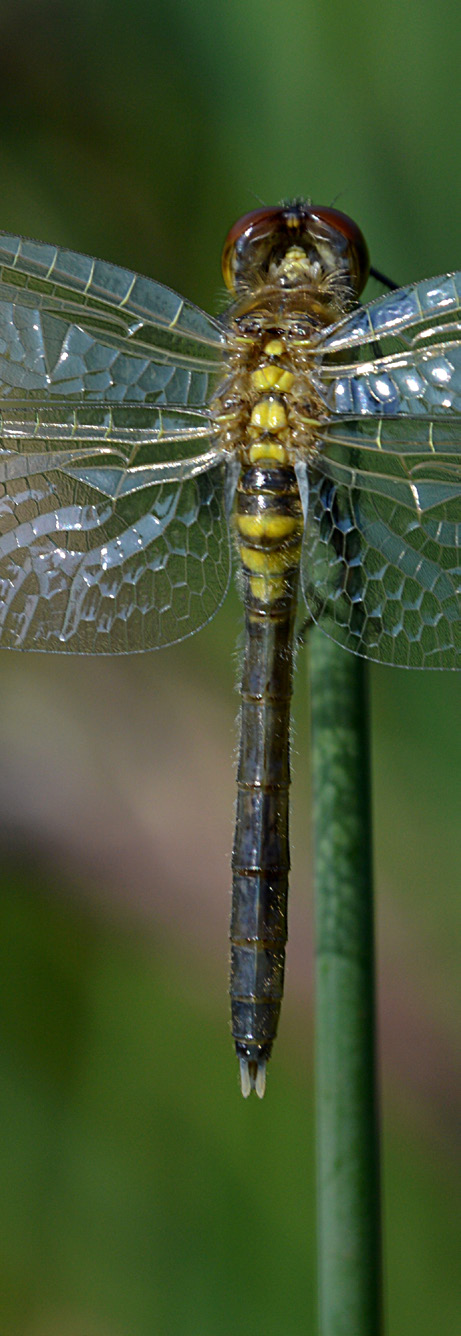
pixel 424 311
pixel 112 491
pixel 75 327
pixel 381 562
pixel 409 343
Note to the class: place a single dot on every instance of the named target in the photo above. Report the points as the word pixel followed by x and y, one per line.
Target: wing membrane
pixel 426 381
pixel 381 562
pixel 89 567
pixel 138 435
pixel 71 326
pixel 382 549
pixel 402 436
pixel 423 311
pixel 113 534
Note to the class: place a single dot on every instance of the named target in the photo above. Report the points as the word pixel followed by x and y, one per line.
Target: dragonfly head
pixel 292 244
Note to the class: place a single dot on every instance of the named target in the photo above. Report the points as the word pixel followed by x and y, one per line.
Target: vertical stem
pixel 348 1209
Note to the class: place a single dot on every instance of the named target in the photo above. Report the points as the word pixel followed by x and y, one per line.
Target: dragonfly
pixel 143 440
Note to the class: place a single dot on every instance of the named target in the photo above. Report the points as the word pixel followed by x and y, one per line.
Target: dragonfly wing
pixel 423 312
pixel 112 491
pixel 381 564
pixel 95 562
pixel 381 557
pixel 73 327
pixel 402 436
pixel 423 382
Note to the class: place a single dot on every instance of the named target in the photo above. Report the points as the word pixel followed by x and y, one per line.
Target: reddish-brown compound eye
pixel 253 227
pixel 335 221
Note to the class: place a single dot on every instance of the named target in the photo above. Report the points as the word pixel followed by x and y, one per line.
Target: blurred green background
pixel 140 1194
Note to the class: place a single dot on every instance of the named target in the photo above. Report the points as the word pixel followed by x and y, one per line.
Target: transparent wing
pixel 402 436
pixel 381 556
pixel 424 311
pixel 381 564
pixel 113 533
pixel 71 326
pixel 94 559
pixel 425 382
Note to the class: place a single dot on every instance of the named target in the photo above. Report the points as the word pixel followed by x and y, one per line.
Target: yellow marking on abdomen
pixel 273 451
pixel 267 589
pixel 261 562
pixel 266 524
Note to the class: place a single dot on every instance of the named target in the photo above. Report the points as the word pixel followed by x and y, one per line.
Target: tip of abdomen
pixel 252 1076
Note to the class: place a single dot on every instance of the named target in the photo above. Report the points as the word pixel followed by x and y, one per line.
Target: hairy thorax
pixel 268 413
pixel 267 407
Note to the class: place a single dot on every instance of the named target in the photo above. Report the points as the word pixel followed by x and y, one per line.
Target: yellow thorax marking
pixel 274 348
pixel 271 376
pixel 269 415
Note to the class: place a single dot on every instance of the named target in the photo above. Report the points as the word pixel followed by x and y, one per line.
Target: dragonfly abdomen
pixel 269 525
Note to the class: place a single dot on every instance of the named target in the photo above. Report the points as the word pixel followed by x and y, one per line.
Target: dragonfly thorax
pixel 268 405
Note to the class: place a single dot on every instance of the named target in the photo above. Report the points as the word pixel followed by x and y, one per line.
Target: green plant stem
pixel 348 1208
